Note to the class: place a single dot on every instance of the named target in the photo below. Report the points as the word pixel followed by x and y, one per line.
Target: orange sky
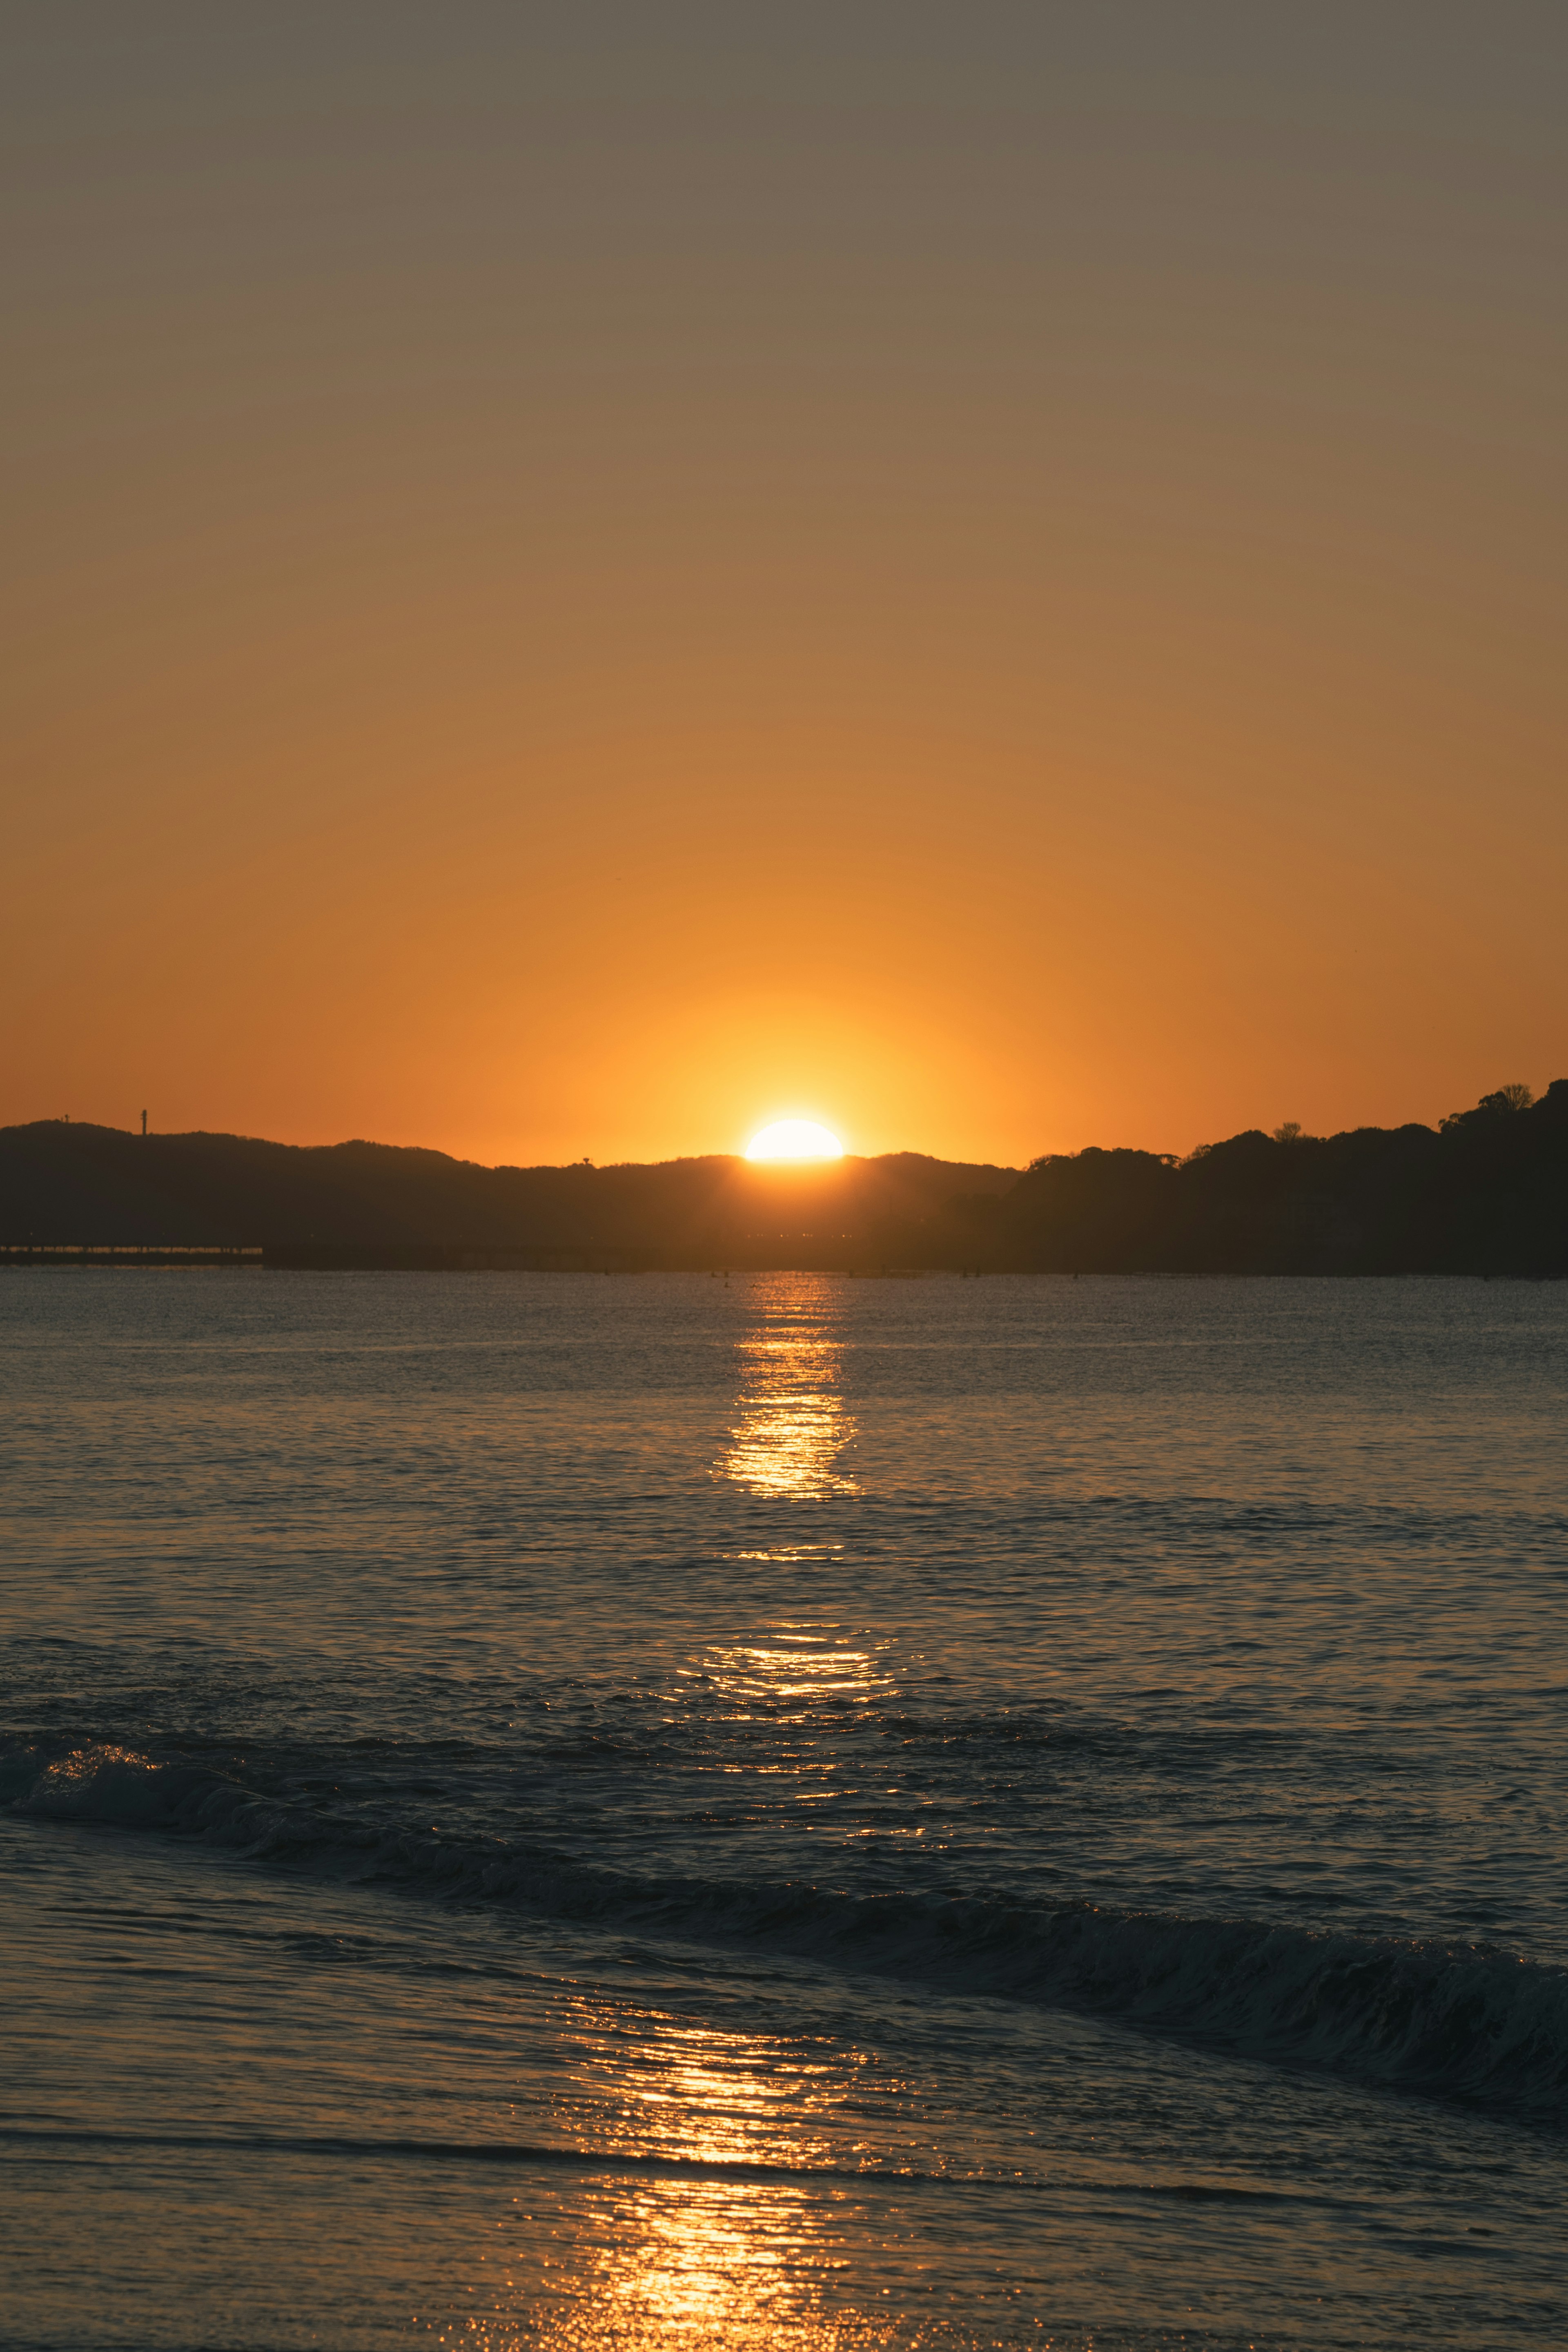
pixel 582 578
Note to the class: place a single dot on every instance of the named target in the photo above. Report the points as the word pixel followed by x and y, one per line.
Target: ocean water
pixel 648 1813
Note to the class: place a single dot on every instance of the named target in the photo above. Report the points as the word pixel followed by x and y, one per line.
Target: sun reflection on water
pixel 730 2256
pixel 669 2086
pixel 641 2261
pixel 706 2260
pixel 706 2265
pixel 794 1424
pixel 791 1672
pixel 710 2262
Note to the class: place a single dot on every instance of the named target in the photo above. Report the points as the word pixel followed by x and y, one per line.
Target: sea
pixel 657 1811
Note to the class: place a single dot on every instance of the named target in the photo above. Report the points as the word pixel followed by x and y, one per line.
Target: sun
pixel 794 1139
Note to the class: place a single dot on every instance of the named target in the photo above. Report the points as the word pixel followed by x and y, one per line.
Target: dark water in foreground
pixel 545 1811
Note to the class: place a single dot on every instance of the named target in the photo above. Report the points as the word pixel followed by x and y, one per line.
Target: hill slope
pixel 74 1183
pixel 1486 1192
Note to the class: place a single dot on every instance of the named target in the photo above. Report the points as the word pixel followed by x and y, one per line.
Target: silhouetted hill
pixel 1486 1192
pixel 383 1202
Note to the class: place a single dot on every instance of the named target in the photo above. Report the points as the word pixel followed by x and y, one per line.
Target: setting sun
pixel 794 1139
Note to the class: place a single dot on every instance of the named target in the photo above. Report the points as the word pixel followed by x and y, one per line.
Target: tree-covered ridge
pixel 1484 1193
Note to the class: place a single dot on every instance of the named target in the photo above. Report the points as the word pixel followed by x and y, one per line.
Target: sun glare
pixel 794 1139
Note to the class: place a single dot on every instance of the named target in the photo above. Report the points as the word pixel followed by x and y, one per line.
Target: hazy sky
pixel 582 576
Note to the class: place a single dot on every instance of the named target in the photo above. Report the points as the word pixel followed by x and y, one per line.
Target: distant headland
pixel 1485 1192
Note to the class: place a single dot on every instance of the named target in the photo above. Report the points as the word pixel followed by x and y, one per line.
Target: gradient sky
pixel 581 577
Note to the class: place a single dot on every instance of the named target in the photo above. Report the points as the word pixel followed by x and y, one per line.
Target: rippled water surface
pixel 555 1810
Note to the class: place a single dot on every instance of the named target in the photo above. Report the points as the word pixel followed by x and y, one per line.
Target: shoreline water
pixel 925 1813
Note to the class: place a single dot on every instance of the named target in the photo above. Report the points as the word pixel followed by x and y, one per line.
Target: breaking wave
pixel 1451 2019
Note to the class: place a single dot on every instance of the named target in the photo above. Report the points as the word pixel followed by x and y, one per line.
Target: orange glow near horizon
pixel 1001 583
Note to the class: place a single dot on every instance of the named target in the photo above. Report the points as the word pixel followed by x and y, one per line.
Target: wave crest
pixel 1455 2020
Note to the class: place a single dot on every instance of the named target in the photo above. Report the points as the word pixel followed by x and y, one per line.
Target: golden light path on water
pixel 703 2265
pixel 745 2255
pixel 709 2263
pixel 794 1424
pixel 714 2260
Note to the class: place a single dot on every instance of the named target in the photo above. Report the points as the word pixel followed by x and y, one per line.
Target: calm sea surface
pixel 651 1812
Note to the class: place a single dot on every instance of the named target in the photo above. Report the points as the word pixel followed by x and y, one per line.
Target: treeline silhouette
pixel 1485 1192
